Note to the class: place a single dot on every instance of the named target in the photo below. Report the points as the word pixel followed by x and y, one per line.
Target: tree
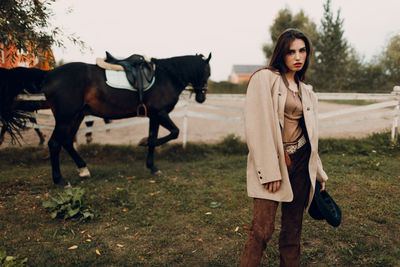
pixel 391 60
pixel 285 19
pixel 25 25
pixel 332 52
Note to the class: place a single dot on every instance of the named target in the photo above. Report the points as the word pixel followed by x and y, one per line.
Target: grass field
pixel 197 212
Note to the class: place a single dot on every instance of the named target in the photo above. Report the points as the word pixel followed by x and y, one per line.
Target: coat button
pixel 308 108
pixel 261 177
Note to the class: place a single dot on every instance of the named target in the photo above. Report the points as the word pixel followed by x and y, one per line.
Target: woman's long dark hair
pixel 281 49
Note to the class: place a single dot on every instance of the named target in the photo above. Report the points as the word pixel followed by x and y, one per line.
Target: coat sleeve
pixel 321 174
pixel 260 127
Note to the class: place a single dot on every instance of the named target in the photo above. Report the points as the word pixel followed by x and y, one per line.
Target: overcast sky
pixel 234 31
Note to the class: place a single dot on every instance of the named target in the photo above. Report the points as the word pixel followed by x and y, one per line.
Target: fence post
pixel 185 121
pixel 395 131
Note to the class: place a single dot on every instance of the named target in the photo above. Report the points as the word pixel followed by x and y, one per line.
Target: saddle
pixel 139 72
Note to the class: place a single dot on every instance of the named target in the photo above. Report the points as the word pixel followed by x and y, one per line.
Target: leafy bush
pixel 69 204
pixel 232 144
pixel 226 88
pixel 11 261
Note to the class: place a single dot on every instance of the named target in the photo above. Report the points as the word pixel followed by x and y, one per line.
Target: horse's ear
pixel 209 57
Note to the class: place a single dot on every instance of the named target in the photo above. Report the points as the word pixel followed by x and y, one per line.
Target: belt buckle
pixel 291 149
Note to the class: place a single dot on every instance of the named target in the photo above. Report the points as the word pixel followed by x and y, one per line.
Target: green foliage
pixel 391 60
pixel 285 19
pixel 336 66
pixel 26 25
pixel 11 261
pixel 232 144
pixel 332 50
pixel 225 87
pixel 69 204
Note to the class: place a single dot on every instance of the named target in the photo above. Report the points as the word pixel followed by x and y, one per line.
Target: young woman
pixel 282 136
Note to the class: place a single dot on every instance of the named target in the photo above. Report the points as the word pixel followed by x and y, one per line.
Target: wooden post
pixel 395 128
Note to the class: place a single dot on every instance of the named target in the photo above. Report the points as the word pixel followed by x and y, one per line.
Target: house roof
pixel 246 69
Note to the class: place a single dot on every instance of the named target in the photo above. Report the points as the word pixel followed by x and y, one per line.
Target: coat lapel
pixel 307 110
pixel 282 94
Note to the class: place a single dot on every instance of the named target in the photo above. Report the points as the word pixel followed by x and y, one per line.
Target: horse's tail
pixel 11 119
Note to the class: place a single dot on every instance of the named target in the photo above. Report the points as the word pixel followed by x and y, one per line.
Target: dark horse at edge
pixel 78 89
pixel 15 81
pixel 23 81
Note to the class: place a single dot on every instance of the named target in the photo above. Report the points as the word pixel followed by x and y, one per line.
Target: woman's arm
pixel 260 126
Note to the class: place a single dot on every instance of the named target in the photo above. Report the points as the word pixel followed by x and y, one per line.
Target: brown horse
pixel 77 89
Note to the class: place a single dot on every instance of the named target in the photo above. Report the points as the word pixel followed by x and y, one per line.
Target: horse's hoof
pixel 89 139
pixel 144 141
pixel 62 182
pixel 84 172
pixel 156 172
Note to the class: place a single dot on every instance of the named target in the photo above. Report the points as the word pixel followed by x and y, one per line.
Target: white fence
pixel 376 111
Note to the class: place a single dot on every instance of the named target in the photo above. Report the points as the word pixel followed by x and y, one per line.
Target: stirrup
pixel 143 108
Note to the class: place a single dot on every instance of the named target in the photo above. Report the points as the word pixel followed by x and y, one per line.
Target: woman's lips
pixel 298 65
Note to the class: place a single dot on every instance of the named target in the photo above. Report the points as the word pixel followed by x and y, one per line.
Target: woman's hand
pixel 322 186
pixel 272 187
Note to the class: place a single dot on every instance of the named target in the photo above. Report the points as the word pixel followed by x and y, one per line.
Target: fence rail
pixel 391 100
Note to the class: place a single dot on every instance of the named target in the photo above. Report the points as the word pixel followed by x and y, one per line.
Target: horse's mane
pixel 183 68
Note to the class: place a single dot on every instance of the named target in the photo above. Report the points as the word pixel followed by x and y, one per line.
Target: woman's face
pixel 296 56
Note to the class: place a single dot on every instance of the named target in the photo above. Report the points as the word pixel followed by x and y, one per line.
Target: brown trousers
pixel 263 223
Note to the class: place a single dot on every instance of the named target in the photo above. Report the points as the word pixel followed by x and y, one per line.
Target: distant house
pixel 45 61
pixel 242 73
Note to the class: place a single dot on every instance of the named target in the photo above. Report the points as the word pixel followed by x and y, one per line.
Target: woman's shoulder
pixel 309 89
pixel 266 73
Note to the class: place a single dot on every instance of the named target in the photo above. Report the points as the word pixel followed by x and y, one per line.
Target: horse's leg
pixel 107 121
pixel 153 133
pixel 38 132
pixel 165 121
pixel 63 136
pixel 3 132
pixel 55 148
pixel 88 135
pixel 68 145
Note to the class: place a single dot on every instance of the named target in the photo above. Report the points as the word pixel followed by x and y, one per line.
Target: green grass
pixel 356 102
pixel 197 212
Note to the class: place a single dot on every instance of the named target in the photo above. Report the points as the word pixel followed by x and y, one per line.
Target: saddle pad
pixel 117 79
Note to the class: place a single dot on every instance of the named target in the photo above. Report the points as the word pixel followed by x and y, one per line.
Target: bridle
pixel 197 89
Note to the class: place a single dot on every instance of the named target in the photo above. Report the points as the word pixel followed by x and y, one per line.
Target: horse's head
pixel 200 85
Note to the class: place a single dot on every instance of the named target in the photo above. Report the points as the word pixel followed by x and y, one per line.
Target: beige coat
pixel 264 117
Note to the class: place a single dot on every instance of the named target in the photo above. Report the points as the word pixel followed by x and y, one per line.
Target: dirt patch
pixel 211 130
